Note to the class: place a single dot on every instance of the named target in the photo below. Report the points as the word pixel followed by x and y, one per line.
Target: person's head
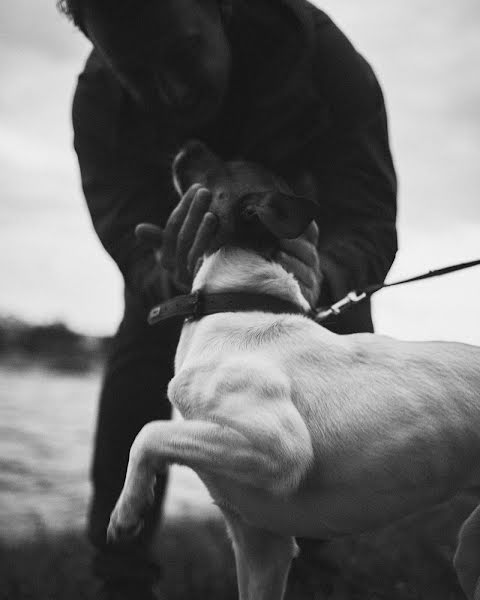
pixel 172 53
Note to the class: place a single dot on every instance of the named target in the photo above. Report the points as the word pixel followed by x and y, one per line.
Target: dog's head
pixel 254 208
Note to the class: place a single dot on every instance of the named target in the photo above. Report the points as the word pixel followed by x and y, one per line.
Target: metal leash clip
pixel 197 305
pixel 339 307
pixel 354 297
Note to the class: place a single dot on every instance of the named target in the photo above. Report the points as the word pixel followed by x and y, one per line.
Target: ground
pixel 411 560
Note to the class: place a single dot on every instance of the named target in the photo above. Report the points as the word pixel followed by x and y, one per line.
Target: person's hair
pixel 72 9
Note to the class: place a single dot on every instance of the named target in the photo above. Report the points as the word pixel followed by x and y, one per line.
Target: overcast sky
pixel 427 56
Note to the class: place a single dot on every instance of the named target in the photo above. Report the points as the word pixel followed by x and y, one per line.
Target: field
pixel 46 426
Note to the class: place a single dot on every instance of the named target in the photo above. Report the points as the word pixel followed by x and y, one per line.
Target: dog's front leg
pixel 204 446
pixel 262 559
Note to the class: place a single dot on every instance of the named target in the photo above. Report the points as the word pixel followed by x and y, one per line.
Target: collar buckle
pixel 197 304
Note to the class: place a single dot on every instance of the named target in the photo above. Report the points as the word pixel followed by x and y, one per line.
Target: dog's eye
pixel 249 212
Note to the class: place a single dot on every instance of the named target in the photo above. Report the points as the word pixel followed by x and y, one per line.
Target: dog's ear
pixel 284 213
pixel 195 163
pixel 285 216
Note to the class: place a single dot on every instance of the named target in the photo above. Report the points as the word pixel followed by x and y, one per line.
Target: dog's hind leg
pixel 262 558
pixel 204 446
pixel 467 556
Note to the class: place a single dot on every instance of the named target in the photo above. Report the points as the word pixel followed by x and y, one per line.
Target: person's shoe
pixel 128 590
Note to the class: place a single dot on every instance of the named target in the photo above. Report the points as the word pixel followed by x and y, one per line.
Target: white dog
pixel 297 431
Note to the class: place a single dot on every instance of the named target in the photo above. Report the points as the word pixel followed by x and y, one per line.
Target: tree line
pixel 53 345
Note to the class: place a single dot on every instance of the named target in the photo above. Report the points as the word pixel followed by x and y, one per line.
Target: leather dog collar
pixel 198 304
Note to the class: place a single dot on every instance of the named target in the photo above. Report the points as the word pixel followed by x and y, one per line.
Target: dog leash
pixel 356 297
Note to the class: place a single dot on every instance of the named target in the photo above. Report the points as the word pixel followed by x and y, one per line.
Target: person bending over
pixel 269 81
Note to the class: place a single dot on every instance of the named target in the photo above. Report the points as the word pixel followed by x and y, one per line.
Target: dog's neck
pixel 240 270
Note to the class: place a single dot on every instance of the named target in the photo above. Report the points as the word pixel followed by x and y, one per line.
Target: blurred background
pixel 56 278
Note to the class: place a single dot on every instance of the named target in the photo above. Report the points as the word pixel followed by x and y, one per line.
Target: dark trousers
pixel 139 368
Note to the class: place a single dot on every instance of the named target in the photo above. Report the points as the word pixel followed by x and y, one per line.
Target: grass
pixel 410 560
pixel 198 565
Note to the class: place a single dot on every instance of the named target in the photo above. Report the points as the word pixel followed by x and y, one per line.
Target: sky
pixel 427 57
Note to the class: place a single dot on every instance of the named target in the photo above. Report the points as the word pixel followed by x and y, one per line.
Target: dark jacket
pixel 324 116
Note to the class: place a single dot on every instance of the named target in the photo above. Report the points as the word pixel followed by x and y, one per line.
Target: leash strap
pixel 355 297
pixel 198 304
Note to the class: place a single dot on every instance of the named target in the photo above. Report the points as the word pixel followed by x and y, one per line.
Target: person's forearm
pixel 356 190
pixel 357 228
pixel 354 177
pixel 353 258
pixel 114 220
pixel 123 185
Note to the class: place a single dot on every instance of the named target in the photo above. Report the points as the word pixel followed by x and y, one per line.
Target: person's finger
pixel 173 226
pixel 190 227
pixel 311 233
pixel 204 236
pixel 149 234
pixel 301 249
pixel 304 274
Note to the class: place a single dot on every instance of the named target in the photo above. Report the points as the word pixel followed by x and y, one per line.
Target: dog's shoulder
pixel 250 393
pixel 209 383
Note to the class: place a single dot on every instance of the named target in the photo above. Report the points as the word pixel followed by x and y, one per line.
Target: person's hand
pixel 187 234
pixel 300 258
pixel 156 280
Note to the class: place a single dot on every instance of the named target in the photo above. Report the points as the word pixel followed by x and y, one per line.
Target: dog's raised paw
pixel 122 529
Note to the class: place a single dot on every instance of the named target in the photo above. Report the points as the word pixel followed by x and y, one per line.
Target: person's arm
pixel 122 186
pixel 354 177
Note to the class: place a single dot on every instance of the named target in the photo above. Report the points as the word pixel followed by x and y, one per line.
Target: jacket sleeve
pixel 122 187
pixel 354 177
